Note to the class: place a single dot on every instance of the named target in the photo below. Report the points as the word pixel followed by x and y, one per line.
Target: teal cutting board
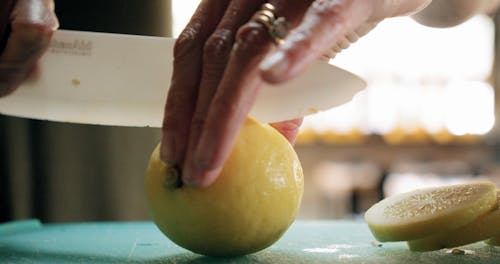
pixel 141 242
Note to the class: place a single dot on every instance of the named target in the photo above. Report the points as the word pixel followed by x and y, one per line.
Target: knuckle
pixel 335 12
pixel 251 36
pixel 187 42
pixel 218 46
pixel 31 34
pixel 330 8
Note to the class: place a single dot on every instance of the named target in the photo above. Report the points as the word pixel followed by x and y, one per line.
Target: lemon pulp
pixel 417 214
pixel 484 227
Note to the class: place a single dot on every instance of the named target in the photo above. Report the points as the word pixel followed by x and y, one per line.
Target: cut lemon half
pixel 482 228
pixel 423 212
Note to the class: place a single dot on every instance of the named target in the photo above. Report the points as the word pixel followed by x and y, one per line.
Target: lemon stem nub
pixel 173 179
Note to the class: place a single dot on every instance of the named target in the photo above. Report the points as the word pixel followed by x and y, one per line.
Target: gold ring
pixel 276 26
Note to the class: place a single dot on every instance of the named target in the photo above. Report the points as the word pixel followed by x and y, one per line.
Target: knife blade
pixel 122 80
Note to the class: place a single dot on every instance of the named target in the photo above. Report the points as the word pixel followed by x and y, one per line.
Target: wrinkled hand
pixel 449 13
pixel 32 23
pixel 221 60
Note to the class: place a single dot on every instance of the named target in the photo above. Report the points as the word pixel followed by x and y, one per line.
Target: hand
pixel 32 23
pixel 448 13
pixel 220 63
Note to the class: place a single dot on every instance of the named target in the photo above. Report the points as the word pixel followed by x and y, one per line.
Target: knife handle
pixel 6 7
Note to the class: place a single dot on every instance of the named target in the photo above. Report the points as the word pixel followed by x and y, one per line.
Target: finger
pixel 186 76
pixel 33 23
pixel 216 53
pixel 325 24
pixel 289 129
pixel 229 107
pixel 6 7
pixel 231 103
pixel 389 8
pixel 450 13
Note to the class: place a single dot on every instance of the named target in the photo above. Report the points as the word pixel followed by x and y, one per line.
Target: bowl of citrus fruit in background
pixel 249 207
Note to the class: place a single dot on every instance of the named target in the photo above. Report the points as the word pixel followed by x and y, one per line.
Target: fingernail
pixel 190 177
pixel 172 178
pixel 275 64
pixel 196 177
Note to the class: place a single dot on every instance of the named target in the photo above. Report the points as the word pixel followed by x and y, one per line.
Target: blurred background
pixel 427 118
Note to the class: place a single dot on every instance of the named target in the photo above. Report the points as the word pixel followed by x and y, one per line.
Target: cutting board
pixel 141 242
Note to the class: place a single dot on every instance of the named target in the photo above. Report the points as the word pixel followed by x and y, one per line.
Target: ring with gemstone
pixel 276 26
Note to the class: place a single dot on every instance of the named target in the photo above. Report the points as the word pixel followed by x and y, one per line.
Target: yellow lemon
pixel 484 227
pixel 248 208
pixel 423 212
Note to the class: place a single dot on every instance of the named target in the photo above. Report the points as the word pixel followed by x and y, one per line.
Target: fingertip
pixel 285 63
pixel 271 78
pixel 289 129
pixel 198 178
pixel 274 67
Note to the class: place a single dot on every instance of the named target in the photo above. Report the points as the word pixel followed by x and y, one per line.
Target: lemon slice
pixel 424 212
pixel 494 241
pixel 482 228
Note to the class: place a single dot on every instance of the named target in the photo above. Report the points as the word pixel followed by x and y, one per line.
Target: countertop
pixel 30 241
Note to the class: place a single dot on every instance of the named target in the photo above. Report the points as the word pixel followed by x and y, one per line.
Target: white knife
pixel 122 80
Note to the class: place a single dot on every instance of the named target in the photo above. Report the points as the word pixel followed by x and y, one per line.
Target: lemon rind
pixel 482 228
pixel 386 229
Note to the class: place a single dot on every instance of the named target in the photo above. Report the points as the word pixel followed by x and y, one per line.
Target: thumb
pixel 289 129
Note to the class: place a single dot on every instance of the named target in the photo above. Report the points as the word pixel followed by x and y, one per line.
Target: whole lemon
pixel 248 208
